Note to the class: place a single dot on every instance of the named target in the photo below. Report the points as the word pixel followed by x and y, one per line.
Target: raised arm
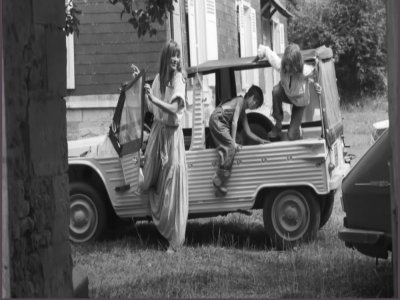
pixel 271 56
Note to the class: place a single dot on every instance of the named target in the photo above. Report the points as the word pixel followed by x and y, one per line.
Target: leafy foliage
pixel 142 18
pixel 71 18
pixel 355 30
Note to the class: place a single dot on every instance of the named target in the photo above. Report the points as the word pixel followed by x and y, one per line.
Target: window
pixel 203 46
pixel 202 24
pixel 247 41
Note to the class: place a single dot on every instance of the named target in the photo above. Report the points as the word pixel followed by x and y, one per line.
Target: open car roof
pixel 245 63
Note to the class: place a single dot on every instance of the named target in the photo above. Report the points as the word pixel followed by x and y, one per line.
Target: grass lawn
pixel 230 257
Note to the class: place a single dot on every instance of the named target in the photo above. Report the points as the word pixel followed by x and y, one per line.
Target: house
pixel 99 60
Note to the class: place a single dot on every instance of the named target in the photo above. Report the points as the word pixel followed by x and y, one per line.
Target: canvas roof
pixel 244 63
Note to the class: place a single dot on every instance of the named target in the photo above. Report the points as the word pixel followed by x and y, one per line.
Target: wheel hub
pixel 83 218
pixel 290 215
pixel 79 218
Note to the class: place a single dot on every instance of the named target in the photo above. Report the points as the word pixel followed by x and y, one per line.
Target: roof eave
pixel 277 6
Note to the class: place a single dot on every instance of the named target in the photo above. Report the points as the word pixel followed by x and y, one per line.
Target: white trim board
pixel 92 101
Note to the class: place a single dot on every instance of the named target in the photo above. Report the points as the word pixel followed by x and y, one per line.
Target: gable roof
pixel 276 5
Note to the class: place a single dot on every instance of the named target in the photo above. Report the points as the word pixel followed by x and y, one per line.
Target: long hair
pixel 292 60
pixel 170 49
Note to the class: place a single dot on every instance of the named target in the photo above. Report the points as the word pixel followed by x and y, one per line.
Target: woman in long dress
pixel 165 173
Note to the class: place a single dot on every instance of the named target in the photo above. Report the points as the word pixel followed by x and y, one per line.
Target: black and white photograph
pixel 241 149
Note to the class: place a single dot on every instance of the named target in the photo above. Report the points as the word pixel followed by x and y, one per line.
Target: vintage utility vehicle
pixel 294 182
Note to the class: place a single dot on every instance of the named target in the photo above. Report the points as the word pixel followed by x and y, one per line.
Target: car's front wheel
pixel 291 216
pixel 88 215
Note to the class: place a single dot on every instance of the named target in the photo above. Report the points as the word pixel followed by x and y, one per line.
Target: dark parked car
pixel 366 202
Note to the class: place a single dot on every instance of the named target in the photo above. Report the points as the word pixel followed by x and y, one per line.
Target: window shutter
pixel 241 29
pixel 177 34
pixel 281 29
pixel 276 47
pixel 192 32
pixel 253 24
pixel 211 30
pixel 242 40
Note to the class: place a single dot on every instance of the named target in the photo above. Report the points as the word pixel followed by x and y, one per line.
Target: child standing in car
pixel 293 87
pixel 223 129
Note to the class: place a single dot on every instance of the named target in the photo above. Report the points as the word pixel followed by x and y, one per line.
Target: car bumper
pixel 359 236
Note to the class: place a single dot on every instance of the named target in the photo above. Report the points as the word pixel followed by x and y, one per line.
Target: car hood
pixel 81 147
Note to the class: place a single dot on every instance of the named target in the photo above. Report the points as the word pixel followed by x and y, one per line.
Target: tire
pixel 327 209
pixel 88 214
pixel 257 129
pixel 291 216
pixel 259 124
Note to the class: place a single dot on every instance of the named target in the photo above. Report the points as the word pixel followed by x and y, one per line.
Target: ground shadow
pixel 217 231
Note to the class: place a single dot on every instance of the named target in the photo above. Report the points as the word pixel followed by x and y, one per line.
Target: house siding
pixel 106 47
pixel 227 24
pixel 227 29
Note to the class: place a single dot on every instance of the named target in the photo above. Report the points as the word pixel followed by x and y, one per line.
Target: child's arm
pixel 308 71
pixel 236 115
pixel 273 58
pixel 249 133
pixel 310 74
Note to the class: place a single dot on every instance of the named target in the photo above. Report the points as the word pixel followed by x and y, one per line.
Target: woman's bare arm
pixel 171 108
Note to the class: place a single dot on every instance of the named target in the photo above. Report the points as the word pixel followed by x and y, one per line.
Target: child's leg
pixel 278 97
pixel 226 153
pixel 225 145
pixel 295 122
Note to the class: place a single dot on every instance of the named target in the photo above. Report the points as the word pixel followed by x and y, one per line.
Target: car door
pixel 126 135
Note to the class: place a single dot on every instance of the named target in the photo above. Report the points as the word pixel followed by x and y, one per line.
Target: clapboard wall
pixel 106 47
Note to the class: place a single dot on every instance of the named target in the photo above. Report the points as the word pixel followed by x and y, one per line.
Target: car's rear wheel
pixel 291 216
pixel 88 214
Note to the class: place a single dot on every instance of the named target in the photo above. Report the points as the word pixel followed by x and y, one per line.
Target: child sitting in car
pixel 223 128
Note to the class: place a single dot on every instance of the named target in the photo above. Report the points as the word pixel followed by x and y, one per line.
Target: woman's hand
pixel 318 88
pixel 148 91
pixel 135 70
